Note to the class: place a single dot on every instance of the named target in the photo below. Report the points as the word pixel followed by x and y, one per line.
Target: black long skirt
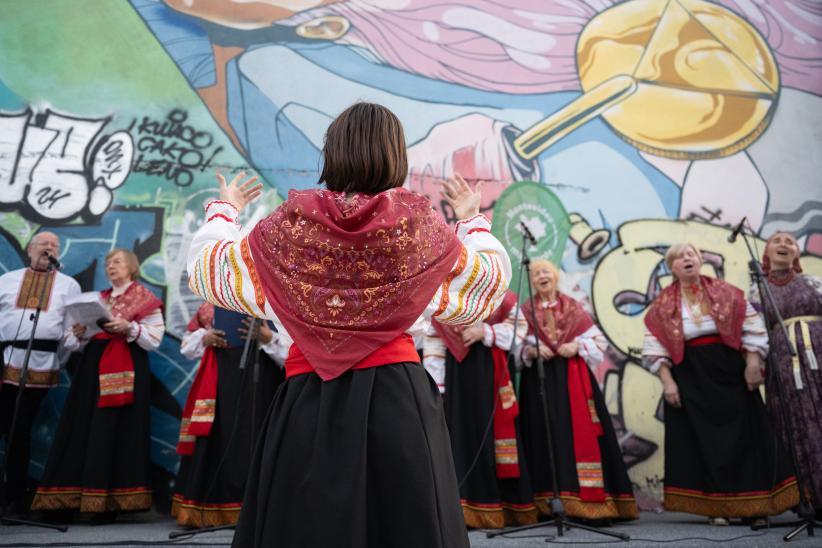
pixel 722 458
pixel 99 461
pixel 470 397
pixel 619 498
pixel 359 461
pixel 210 484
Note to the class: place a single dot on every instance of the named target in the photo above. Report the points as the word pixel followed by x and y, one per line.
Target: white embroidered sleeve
pixel 221 268
pixel 653 353
pixel 192 344
pixel 754 336
pixel 477 282
pixel 148 332
pixel 433 352
pixel 501 334
pixel 592 345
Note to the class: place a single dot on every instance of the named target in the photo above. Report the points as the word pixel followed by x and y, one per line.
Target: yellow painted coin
pixel 706 80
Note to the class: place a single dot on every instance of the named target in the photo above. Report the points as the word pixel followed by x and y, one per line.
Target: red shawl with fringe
pixel 562 323
pixel 116 372
pixel 346 276
pixel 726 305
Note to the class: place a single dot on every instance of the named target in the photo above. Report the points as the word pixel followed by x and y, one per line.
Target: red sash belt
pixel 702 341
pixel 587 430
pixel 399 350
pixel 506 410
pixel 116 372
pixel 201 404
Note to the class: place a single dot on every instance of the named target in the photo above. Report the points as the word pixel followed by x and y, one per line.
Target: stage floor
pixel 647 532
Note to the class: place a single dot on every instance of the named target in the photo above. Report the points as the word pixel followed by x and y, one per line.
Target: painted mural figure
pixel 222 418
pixel 707 343
pixel 799 299
pixel 352 272
pixel 592 477
pixel 470 367
pixel 471 77
pixel 99 461
pixel 20 293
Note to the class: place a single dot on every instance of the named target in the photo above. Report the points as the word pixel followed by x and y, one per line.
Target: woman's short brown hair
pixel 131 260
pixel 364 151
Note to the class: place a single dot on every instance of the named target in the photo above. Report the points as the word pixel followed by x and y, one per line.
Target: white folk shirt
pixel 16 323
pixel 218 242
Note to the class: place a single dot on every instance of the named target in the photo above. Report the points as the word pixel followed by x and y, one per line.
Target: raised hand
pixel 464 201
pixel 239 194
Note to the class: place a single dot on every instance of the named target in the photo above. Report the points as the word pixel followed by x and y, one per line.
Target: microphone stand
pixel 555 504
pixel 21 388
pixel 250 348
pixel 805 510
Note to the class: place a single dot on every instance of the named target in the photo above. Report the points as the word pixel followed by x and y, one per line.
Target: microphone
pixel 738 230
pixel 527 233
pixel 57 265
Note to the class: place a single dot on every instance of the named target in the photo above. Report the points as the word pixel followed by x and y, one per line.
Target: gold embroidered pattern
pixel 589 474
pixel 34 283
pixel 507 396
pixel 505 451
pixel 204 411
pixel 35 378
pixel 779 500
pixel 190 513
pixel 92 500
pixel 116 383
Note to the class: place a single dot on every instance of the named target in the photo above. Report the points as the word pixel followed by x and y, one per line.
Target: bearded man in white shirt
pixel 20 294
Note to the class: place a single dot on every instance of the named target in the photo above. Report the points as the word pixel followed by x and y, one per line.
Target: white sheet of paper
pixel 86 308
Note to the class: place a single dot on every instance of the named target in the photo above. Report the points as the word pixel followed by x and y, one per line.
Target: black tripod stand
pixel 555 504
pixel 21 389
pixel 805 510
pixel 250 349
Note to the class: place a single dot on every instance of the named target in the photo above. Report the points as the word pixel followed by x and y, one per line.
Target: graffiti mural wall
pixel 647 121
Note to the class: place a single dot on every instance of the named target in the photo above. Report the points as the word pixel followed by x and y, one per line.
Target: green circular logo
pixel 539 209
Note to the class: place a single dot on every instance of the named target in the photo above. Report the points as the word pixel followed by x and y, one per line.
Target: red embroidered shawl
pixel 452 334
pixel 569 321
pixel 727 308
pixel 345 277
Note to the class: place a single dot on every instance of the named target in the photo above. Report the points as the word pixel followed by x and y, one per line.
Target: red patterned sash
pixel 201 404
pixel 506 410
pixel 587 430
pixel 116 370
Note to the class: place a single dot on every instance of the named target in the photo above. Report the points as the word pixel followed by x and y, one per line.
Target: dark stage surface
pixel 651 527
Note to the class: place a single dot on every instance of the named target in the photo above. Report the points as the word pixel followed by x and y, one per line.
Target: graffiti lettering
pixel 48 197
pixel 172 149
pixel 44 167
